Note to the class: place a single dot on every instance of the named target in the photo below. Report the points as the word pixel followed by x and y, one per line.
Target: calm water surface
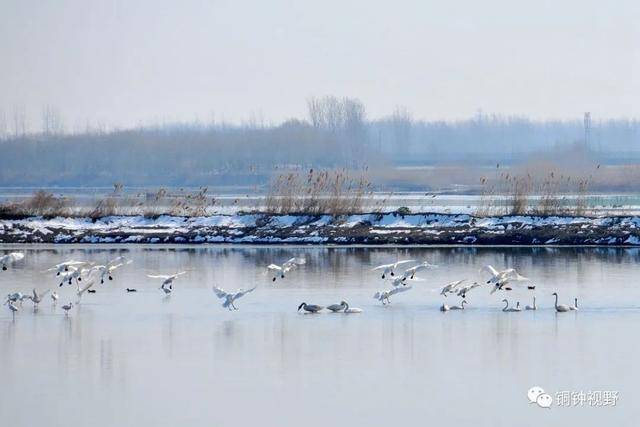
pixel 132 359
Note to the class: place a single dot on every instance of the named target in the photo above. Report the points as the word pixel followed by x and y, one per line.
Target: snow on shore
pixel 352 229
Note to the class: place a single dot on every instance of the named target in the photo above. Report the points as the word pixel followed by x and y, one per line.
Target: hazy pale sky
pixel 126 62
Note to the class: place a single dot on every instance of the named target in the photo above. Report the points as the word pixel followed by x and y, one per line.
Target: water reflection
pixel 119 354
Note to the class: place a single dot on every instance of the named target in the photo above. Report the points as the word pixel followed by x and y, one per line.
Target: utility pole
pixel 587 130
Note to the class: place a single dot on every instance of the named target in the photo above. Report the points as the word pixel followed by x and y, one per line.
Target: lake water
pixel 133 359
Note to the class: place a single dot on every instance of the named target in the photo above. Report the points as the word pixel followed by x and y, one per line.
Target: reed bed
pixel 331 192
pixel 545 194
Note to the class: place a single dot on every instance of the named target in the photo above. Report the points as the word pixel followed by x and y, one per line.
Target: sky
pixel 125 62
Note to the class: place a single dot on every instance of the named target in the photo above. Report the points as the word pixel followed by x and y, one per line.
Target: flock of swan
pixel 400 276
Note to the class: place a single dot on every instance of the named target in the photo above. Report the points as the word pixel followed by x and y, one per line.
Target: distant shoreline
pixel 366 229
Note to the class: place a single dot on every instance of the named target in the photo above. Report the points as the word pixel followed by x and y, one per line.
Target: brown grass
pixel 333 192
pixel 41 203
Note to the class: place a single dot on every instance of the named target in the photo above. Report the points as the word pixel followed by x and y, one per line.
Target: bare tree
pixel 52 123
pixel 401 124
pixel 4 126
pixel 19 121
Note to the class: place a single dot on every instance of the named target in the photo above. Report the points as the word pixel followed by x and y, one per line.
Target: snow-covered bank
pixel 353 229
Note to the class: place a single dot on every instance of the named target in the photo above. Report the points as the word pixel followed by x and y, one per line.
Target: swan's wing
pixel 16 256
pixel 400 289
pixel 420 268
pixel 159 276
pixel 86 286
pixel 512 274
pixel 274 267
pixel 220 293
pixel 115 266
pixel 404 261
pixel 456 283
pixel 289 267
pixel 382 267
pixel 119 260
pixel 242 292
pixel 297 261
pixel 490 269
pixel 43 293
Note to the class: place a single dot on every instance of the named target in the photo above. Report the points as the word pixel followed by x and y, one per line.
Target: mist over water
pixel 140 358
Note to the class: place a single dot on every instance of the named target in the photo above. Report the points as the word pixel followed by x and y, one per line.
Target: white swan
pixel 411 272
pixel 459 307
pixel 64 266
pixel 352 309
pixel 54 297
pixel 561 308
pixel 510 310
pixel 462 292
pixel 10 259
pixel 500 278
pixel 390 268
pixel 402 280
pixel 286 267
pixel 384 295
pixel 532 307
pixel 167 279
pixel 445 307
pixel 574 307
pixel 108 269
pixel 84 288
pixel 231 297
pixel 450 287
pixel 72 274
pixel 310 308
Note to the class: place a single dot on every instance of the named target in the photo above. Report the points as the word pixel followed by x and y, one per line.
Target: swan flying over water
pixel 500 278
pixel 167 278
pixel 384 295
pixel 286 267
pixel 410 273
pixel 450 287
pixel 64 266
pixel 390 268
pixel 231 297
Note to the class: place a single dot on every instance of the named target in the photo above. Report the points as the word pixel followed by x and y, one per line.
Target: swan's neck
pixel 556 303
pixel 506 306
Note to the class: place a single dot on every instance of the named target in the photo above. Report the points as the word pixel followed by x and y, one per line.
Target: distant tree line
pixel 336 134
